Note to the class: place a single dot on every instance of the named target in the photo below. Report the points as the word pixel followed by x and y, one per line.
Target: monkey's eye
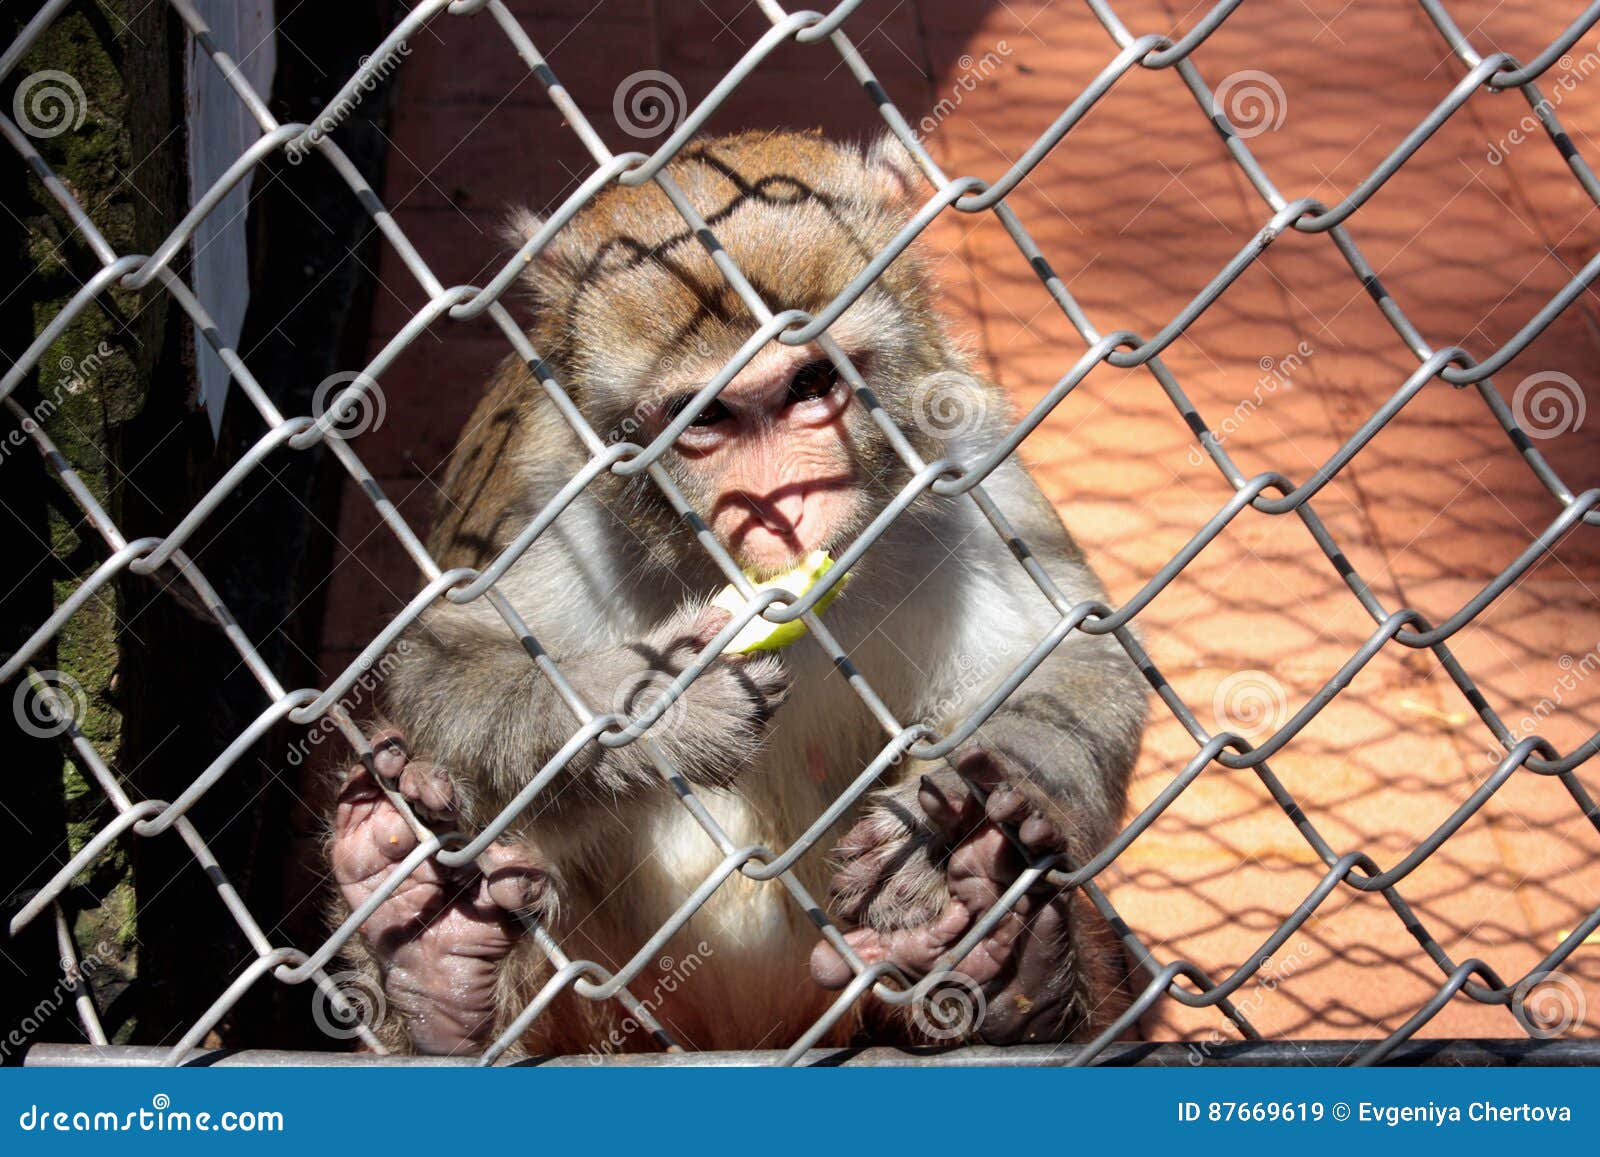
pixel 813 380
pixel 714 412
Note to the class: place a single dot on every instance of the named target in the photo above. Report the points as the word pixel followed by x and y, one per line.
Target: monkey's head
pixel 634 318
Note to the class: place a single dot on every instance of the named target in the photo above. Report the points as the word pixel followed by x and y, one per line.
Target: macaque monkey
pixel 632 318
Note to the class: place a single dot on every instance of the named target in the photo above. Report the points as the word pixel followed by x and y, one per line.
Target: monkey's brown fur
pixel 627 304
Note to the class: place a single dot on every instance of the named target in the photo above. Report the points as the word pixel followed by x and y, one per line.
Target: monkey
pixel 632 317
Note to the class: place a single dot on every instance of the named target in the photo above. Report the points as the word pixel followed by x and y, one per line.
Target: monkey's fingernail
pixel 1037 831
pixel 1006 805
pixel 933 792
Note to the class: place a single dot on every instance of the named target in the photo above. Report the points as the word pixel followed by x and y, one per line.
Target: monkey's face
pixel 771 460
pixel 638 318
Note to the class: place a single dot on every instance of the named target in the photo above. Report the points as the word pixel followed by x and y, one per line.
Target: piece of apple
pixel 760 635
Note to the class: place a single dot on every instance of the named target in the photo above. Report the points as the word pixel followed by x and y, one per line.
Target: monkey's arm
pixel 477 720
pixel 930 857
pixel 468 698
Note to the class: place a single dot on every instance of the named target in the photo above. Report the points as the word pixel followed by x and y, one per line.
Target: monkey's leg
pixel 438 941
pixel 1048 970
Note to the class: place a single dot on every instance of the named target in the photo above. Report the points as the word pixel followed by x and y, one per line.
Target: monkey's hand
pixel 715 726
pixel 926 861
pixel 439 938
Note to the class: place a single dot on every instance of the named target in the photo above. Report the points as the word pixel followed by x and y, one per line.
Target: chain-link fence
pixel 1268 493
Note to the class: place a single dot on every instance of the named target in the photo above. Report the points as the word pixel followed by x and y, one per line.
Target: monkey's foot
pixel 919 879
pixel 440 937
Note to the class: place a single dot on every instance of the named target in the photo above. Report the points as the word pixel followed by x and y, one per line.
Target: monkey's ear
pixel 519 225
pixel 552 266
pixel 895 176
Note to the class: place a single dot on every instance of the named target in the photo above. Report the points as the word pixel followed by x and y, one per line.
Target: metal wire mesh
pixel 1269 493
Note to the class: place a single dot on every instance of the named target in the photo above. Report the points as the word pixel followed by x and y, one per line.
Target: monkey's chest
pixel 747 948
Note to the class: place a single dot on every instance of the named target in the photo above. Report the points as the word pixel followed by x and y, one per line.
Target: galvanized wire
pixel 1268 493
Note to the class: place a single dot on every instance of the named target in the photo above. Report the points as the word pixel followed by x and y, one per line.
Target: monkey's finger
pixel 388 753
pixel 511 878
pixel 358 788
pixel 425 784
pixel 828 968
pixel 368 837
pixel 702 629
pixel 982 867
pixel 981 766
pixel 913 950
pixel 1040 834
pixel 1007 805
pixel 916 950
pixel 948 804
pixel 1013 803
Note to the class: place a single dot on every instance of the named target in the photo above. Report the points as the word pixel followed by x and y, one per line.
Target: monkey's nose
pixel 782 513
